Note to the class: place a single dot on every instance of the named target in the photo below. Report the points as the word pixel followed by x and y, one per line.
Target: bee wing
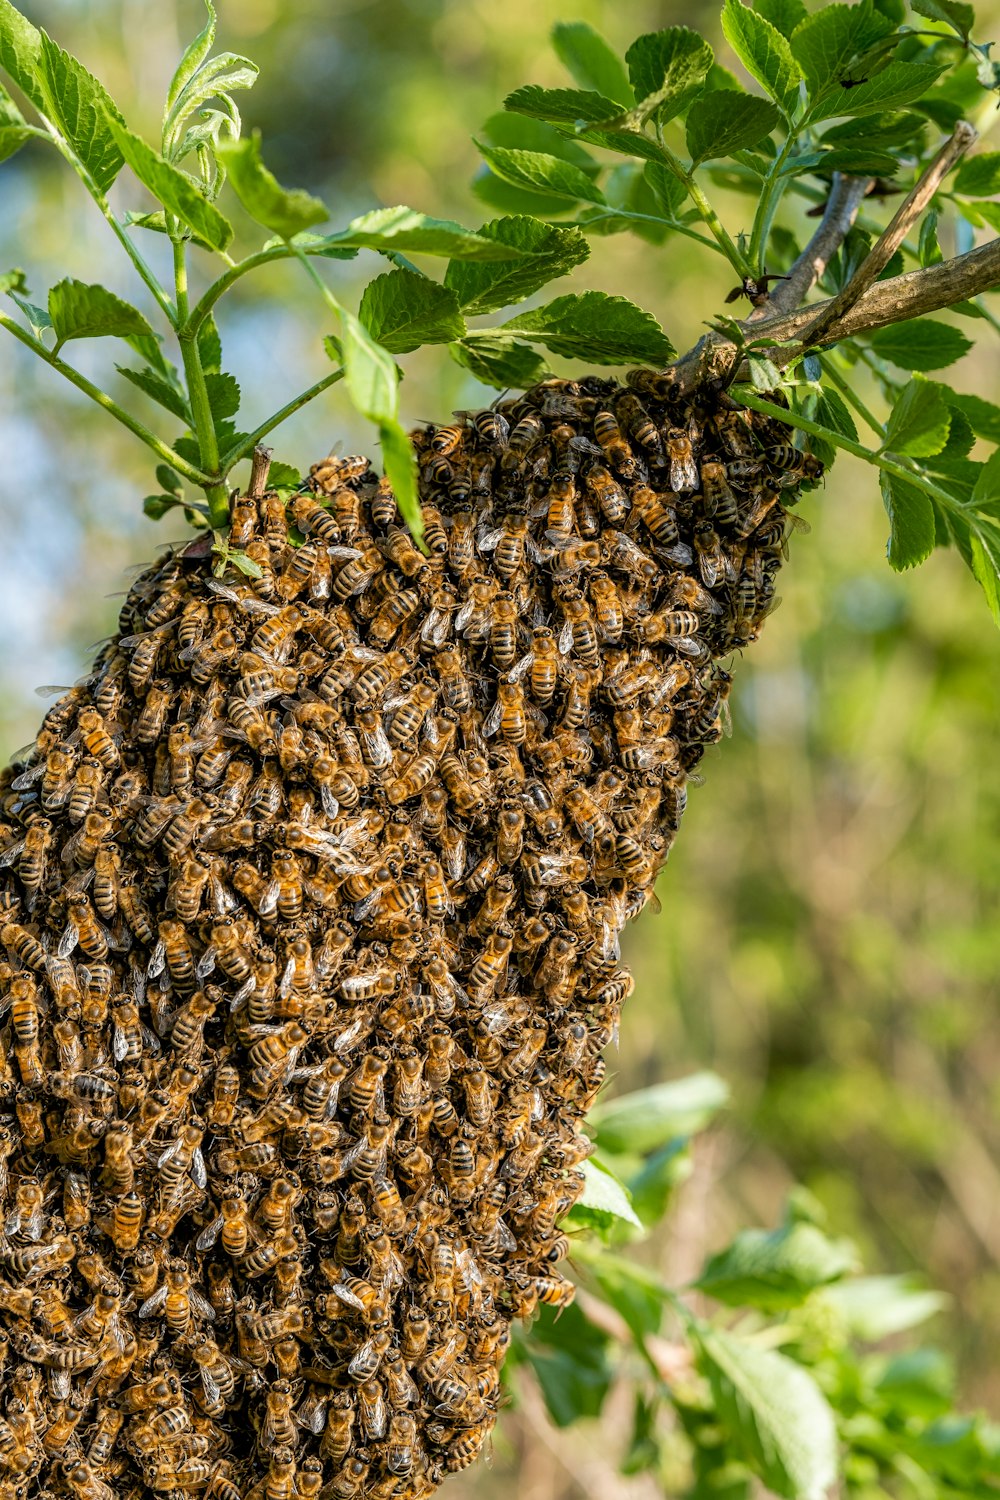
pixel 201 1305
pixel 493 718
pixel 68 941
pixel 566 638
pixel 157 961
pixel 465 614
pixel 209 1385
pixel 209 1234
pixel 28 778
pixel 155 1302
pixel 206 962
pixel 269 902
pixel 198 1170
pixel 521 668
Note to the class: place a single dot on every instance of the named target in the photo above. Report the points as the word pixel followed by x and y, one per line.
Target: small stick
pixel 909 212
pixel 846 196
pixel 259 467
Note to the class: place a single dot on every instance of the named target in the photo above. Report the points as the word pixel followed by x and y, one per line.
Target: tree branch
pixel 846 197
pixel 911 295
pixel 910 211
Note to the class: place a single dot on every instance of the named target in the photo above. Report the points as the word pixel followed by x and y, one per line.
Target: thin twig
pixel 901 297
pixel 909 213
pixel 846 197
pixel 259 466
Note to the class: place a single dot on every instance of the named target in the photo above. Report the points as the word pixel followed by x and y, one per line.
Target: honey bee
pixel 683 470
pixel 708 551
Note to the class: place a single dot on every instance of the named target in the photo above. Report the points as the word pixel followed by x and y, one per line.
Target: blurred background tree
pixel 828 939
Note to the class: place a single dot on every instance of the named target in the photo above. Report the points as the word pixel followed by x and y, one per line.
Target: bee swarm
pixel 311 898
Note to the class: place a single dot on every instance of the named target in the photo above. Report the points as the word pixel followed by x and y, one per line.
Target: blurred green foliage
pixel 828 939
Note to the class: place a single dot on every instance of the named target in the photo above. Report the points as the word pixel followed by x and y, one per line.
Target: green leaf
pixel 283 477
pixel 568 105
pixel 38 318
pixel 592 63
pixel 500 362
pixel 987 486
pixel 900 83
pixel 79 311
pixel 403 229
pixel 648 1118
pixel 173 189
pixel 546 252
pixel 14 129
pixel 244 564
pixel 984 559
pixel 929 250
pixel 774 1412
pixel 669 192
pixel 979 177
pixel 983 416
pixel 883 131
pixel 597 327
pixel 83 110
pixel 157 506
pixel 20 52
pixel 404 310
pixel 216 79
pixel 160 389
pixel 400 464
pixel 923 344
pixel 13 281
pixel 223 395
pixel 776 1270
pixel 169 480
pixel 570 1360
pixel 538 172
pixel 210 346
pixel 369 372
pixel 662 1171
pixel 827 42
pixel 763 51
pixel 667 68
pixel 955 13
pixel 604 1194
pixel 784 15
pixel 873 1307
pixel 911 522
pixel 632 1290
pixel 284 211
pixel 194 55
pixel 919 422
pixel 724 121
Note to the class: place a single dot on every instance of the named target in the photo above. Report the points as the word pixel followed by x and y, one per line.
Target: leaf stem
pixel 203 307
pixel 836 378
pixel 770 199
pixel 201 408
pixel 134 255
pixel 706 212
pixel 241 449
pixel 628 213
pixel 186 470
pixel 892 464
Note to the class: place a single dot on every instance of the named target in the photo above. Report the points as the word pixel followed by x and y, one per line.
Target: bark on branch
pixel 865 304
pixel 911 295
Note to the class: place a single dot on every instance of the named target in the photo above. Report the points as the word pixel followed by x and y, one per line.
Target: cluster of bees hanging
pixel 310 903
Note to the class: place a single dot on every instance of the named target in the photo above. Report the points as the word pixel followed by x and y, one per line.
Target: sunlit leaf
pixel 774 1412
pixel 775 1270
pixel 597 327
pixel 763 50
pixel 79 311
pixel 537 171
pixel 590 60
pixel 284 211
pixel 566 105
pixel 648 1118
pixel 923 344
pixel 545 251
pixel 84 111
pixel 402 311
pixel 404 229
pixel 911 522
pixel 723 122
pixel 500 362
pixel 156 386
pixel 173 189
pixel 667 68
